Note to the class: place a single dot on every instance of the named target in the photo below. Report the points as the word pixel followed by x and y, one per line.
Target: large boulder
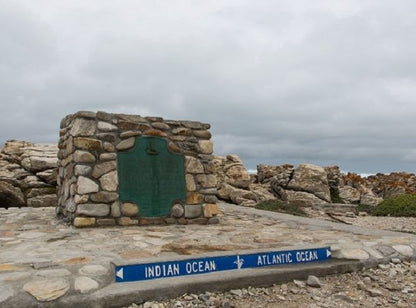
pixel 10 196
pixel 27 167
pixel 269 173
pixel 263 192
pixel 235 173
pixel 278 175
pixel 236 195
pixel 300 198
pixel 349 194
pixel 231 175
pixel 311 179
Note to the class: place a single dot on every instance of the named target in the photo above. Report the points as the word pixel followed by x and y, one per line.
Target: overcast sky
pixel 323 82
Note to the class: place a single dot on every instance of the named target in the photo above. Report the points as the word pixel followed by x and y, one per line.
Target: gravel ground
pixel 401 224
pixel 388 285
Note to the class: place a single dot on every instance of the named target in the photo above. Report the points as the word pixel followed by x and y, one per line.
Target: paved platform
pixel 46 263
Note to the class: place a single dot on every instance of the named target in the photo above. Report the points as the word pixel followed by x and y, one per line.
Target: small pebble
pixel 313 281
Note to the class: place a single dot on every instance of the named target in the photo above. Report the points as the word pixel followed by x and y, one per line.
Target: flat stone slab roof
pixel 44 261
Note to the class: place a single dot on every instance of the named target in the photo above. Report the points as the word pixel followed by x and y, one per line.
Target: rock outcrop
pixel 234 184
pixel 306 185
pixel 28 174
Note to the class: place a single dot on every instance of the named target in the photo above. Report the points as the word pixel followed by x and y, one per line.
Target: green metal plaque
pixel 151 176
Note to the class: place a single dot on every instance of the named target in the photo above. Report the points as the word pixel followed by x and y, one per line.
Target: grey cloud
pixel 323 81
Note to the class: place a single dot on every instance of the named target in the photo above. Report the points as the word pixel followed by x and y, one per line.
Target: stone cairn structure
pixel 96 170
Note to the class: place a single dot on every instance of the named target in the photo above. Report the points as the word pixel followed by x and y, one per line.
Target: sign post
pixel 157 270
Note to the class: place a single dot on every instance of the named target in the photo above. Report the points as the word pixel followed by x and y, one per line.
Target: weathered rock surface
pixel 300 198
pixel 28 174
pixel 311 179
pixel 349 194
pixel 231 170
pixel 45 290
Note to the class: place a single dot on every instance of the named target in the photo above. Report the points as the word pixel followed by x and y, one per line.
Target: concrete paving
pixel 47 263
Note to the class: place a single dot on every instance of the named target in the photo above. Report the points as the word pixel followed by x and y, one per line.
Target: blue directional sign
pixel 147 271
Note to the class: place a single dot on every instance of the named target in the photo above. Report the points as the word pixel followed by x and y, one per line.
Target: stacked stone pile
pixel 28 174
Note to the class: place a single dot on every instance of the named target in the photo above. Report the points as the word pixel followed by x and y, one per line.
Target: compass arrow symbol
pixel 120 273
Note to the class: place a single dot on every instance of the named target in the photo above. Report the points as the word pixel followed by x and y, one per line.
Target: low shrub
pixel 280 206
pixel 400 205
pixel 364 208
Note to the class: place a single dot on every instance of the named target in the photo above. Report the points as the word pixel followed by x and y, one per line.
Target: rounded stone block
pixel 202 134
pixel 86 186
pixel 89 144
pixel 109 181
pixel 109 147
pixel 130 133
pixel 190 182
pixel 106 127
pixel 83 127
pixel 206 146
pixel 182 131
pixel 210 210
pixel 207 180
pixel 193 210
pixel 115 209
pixel 127 221
pixel 83 157
pixel 129 209
pixel 177 210
pixel 193 165
pixel 103 168
pixel 194 198
pixel 79 199
pixel 108 156
pixel 93 209
pixel 155 132
pixel 160 125
pixel 104 197
pixel 211 199
pixel 126 144
pixel 81 222
pixel 82 170
pixel 173 147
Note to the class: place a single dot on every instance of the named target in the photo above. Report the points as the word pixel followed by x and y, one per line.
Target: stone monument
pixel 119 169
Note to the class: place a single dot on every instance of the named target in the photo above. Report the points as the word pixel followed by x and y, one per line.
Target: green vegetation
pixel 400 205
pixel 364 208
pixel 280 206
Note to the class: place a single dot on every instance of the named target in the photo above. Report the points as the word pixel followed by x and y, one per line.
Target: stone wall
pixel 88 181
